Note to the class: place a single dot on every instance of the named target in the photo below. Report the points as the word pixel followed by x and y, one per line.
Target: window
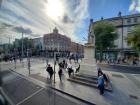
pixel 135 20
pixel 129 20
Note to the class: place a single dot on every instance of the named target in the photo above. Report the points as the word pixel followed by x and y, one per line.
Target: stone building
pixel 77 48
pixel 56 42
pixel 124 25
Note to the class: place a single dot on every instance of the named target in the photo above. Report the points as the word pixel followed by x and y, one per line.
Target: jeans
pixel 101 88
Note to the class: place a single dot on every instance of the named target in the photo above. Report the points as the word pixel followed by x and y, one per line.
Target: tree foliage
pixel 105 34
pixel 133 38
pixel 26 44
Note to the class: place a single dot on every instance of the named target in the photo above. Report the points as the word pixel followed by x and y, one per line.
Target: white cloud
pixel 135 6
pixel 32 14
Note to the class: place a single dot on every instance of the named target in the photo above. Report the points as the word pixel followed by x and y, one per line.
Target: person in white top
pixel 70 70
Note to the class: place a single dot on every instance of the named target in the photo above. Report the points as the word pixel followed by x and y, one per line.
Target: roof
pixel 117 18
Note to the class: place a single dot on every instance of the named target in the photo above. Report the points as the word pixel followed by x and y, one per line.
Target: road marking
pixel 29 96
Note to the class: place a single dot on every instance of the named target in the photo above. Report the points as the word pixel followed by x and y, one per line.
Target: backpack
pixel 105 77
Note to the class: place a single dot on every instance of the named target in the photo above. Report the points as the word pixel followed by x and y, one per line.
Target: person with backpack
pixel 50 70
pixel 106 79
pixel 101 83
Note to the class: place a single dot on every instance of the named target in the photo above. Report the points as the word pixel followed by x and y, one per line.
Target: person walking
pixel 60 74
pixel 70 70
pixel 76 57
pixel 50 70
pixel 101 83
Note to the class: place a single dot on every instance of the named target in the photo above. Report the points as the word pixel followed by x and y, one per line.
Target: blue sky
pixel 107 9
pixel 71 17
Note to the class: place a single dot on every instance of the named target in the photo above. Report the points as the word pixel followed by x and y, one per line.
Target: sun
pixel 54 9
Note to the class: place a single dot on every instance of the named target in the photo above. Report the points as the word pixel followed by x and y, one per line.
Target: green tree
pixel 27 44
pixel 133 39
pixel 105 34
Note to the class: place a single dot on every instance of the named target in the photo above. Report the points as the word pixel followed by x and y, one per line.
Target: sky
pixel 38 17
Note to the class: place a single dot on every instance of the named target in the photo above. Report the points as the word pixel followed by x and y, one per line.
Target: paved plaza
pixel 125 86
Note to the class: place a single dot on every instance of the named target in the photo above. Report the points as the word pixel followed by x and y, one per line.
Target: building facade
pixel 124 25
pixel 77 48
pixel 38 43
pixel 56 42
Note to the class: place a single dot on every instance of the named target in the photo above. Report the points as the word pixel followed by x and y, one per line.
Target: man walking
pixel 60 74
pixel 50 70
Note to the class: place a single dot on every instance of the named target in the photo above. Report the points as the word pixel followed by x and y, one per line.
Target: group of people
pixel 63 67
pixel 103 79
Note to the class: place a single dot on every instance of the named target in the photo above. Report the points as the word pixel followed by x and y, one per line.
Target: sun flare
pixel 54 9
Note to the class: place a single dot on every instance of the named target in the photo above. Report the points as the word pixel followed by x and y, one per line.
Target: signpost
pixel 54 65
pixel 28 61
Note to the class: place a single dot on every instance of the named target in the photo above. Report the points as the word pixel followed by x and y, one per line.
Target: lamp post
pixel 28 60
pixel 54 57
pixel 54 65
pixel 15 57
pixel 22 53
pixel 46 53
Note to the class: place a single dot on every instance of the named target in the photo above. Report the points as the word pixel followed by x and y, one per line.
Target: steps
pixel 87 80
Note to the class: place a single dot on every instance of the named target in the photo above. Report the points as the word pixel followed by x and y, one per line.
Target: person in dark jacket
pixel 60 74
pixel 101 83
pixel 50 70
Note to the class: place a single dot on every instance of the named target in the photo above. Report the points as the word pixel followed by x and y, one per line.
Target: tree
pixel 133 39
pixel 27 44
pixel 105 34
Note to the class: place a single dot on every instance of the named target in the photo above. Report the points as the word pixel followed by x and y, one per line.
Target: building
pixel 38 43
pixel 124 25
pixel 56 42
pixel 77 48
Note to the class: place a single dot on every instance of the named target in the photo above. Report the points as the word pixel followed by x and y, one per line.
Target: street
pixel 125 85
pixel 21 91
pixel 121 69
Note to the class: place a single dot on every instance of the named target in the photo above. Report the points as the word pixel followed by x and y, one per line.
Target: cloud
pixel 134 6
pixel 21 29
pixel 66 19
pixel 5 25
pixel 33 16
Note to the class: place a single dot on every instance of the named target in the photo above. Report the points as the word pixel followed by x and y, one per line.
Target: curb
pixel 82 100
pixel 75 97
pixel 109 90
pixel 120 65
pixel 93 86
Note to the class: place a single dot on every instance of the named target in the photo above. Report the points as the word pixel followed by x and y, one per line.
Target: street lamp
pixel 15 57
pixel 54 57
pixel 28 60
pixel 47 55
